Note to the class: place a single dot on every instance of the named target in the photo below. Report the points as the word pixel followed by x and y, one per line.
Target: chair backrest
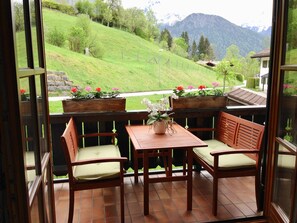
pixel 69 141
pixel 226 128
pixel 239 133
pixel 249 135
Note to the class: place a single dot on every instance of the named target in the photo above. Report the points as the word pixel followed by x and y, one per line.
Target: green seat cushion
pixel 98 170
pixel 226 162
pixel 30 162
pixel 286 161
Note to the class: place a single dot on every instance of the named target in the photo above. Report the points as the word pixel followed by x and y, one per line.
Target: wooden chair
pixel 235 152
pixel 92 167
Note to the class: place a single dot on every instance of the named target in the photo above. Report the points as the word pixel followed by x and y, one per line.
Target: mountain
pixel 263 30
pixel 220 32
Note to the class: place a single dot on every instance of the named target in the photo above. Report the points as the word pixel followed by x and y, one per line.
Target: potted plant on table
pixel 88 100
pixel 201 97
pixel 158 116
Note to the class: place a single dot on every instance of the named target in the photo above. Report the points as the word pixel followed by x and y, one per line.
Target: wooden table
pixel 146 141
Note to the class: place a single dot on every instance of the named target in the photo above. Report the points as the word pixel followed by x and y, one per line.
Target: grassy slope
pixel 129 62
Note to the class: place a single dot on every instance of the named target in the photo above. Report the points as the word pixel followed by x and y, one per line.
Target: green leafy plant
pixel 157 111
pixel 88 93
pixel 201 90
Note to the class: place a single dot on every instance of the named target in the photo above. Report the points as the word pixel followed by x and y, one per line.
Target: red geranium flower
pixel 98 89
pixel 201 87
pixel 74 90
pixel 179 88
pixel 22 91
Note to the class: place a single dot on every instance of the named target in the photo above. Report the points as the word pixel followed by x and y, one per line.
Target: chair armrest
pixel 98 134
pixel 103 134
pixel 201 129
pixel 103 160
pixel 235 151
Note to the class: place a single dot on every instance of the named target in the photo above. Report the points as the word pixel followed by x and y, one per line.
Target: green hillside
pixel 129 62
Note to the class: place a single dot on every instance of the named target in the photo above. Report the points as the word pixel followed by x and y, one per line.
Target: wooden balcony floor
pixel 167 201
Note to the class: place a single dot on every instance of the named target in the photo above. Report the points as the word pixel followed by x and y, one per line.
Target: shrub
pixel 77 39
pixel 240 77
pixel 250 82
pixel 67 9
pixel 56 37
pixel 96 51
pixel 257 81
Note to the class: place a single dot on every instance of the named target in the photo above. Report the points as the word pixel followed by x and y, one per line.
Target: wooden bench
pixel 92 167
pixel 234 152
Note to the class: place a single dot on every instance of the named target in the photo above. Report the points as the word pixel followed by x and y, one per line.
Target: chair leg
pixel 71 205
pixel 215 196
pixel 257 191
pixel 122 203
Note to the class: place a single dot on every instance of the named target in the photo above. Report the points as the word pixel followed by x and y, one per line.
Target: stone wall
pixel 57 81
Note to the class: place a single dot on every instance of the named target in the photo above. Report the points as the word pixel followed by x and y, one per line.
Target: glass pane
pixel 284 179
pixel 291 41
pixel 27 127
pixel 35 211
pixel 34 33
pixel 41 117
pixel 20 34
pixel 288 114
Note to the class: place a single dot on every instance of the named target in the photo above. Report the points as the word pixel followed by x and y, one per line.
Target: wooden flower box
pixel 95 105
pixel 198 102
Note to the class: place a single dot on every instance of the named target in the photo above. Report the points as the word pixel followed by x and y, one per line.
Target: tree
pixel 235 59
pixel 99 7
pixel 185 36
pixel 135 19
pixel 107 16
pixel 225 70
pixel 193 50
pixel 152 27
pixel 250 67
pixel 114 6
pixel 166 36
pixel 205 50
pixel 180 47
pixel 85 7
pixel 19 16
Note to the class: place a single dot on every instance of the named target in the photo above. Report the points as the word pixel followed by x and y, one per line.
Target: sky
pixel 239 12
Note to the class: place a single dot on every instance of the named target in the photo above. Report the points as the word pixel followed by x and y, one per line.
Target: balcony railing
pixel 116 121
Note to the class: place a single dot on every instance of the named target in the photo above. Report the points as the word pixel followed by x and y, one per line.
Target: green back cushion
pixel 97 170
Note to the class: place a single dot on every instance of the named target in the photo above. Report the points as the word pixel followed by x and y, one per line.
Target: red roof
pixel 247 97
pixel 263 53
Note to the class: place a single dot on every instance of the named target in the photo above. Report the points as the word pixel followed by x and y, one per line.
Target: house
pixel 263 56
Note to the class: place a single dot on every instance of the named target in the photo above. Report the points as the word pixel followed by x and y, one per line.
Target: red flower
pixel 74 90
pixel 179 88
pixel 22 91
pixel 201 87
pixel 98 89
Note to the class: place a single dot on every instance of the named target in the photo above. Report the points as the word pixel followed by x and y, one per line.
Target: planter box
pixel 198 102
pixel 95 105
pixel 26 107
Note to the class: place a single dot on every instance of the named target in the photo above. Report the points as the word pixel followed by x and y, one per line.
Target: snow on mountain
pixel 257 29
pixel 170 19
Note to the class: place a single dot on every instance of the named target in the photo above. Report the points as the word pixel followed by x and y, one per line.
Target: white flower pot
pixel 160 127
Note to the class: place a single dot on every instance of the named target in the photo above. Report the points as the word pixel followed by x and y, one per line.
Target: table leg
pixel 145 183
pixel 189 183
pixel 135 166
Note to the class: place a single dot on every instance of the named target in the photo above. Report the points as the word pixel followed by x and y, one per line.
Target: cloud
pixel 251 12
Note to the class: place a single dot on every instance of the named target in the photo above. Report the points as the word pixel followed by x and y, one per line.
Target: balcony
pixel 167 200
